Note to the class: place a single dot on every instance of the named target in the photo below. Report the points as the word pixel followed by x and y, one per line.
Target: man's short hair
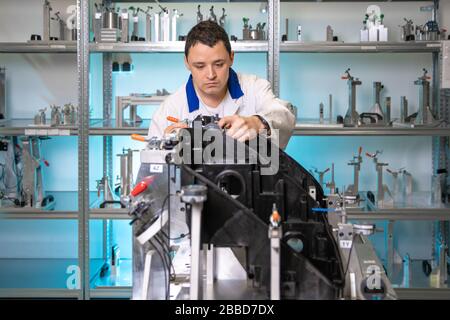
pixel 207 33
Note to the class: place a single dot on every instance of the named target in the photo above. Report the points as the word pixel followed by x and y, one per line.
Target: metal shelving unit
pixel 25 127
pixel 106 128
pixel 361 47
pixel 170 47
pixel 39 47
pixel 367 131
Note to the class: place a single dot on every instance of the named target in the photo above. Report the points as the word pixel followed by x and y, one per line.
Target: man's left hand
pixel 241 128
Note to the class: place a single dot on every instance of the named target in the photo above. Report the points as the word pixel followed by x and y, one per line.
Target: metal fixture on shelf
pixel 126 174
pixel 397 194
pixel 2 93
pixel 382 189
pixel 373 29
pixel 39 119
pixel 46 21
pixel 353 189
pixel 199 15
pixel 212 15
pixel 55 115
pixel 97 22
pixel 135 16
pixel 32 180
pixel 320 174
pixel 132 102
pixel 148 24
pixel 408 33
pixel 62 26
pixel 174 24
pixel 222 18
pixel 124 20
pixel 332 184
pixel 352 116
pixel 109 199
pixel 424 116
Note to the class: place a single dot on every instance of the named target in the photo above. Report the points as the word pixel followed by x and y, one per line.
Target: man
pixel 245 104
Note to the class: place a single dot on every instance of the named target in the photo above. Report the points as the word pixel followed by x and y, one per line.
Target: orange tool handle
pixel 328 169
pixel 369 155
pixel 172 119
pixel 138 137
pixel 359 150
pixel 276 217
pixel 142 186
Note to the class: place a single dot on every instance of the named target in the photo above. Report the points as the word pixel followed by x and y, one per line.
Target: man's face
pixel 209 67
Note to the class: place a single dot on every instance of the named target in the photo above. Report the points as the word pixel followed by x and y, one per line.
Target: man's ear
pixel 231 58
pixel 186 63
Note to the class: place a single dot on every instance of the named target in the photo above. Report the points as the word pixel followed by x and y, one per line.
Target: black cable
pixel 167 251
pixel 181 236
pixel 164 267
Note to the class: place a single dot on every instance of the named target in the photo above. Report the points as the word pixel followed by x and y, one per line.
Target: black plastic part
pixel 233 38
pixel 104 203
pixel 441 171
pixel 126 67
pixel 115 67
pixel 340 120
pixel 47 200
pixel 284 37
pixel 35 37
pixel 53 38
pixel 3 146
pixel 104 270
pixel 134 38
pixel 372 117
pixel 238 207
pixel 371 196
pixel 141 39
pixel 426 267
pixel 335 39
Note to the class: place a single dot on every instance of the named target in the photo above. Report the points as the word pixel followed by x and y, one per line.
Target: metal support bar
pixel 273 54
pixel 275 260
pixel 390 248
pixel 210 264
pixel 83 145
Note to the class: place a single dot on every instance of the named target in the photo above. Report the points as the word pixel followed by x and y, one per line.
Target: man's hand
pixel 175 126
pixel 241 128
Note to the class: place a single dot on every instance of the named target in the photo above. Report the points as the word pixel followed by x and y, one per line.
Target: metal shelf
pixel 101 127
pixel 40 293
pixel 361 47
pixel 39 47
pixel 25 127
pixel 171 46
pixel 422 293
pixel 300 130
pixel 105 128
pixel 424 214
pixel 65 209
pixel 109 214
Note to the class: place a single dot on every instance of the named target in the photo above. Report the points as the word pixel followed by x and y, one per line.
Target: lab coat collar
pixel 234 88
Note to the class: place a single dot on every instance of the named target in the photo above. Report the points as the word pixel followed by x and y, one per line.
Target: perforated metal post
pixel 83 145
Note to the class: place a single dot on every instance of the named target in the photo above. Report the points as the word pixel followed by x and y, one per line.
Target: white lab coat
pixel 258 99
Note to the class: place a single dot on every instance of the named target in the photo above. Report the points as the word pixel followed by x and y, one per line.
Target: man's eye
pixel 199 67
pixel 219 65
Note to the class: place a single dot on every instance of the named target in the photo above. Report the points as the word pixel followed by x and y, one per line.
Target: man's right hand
pixel 175 126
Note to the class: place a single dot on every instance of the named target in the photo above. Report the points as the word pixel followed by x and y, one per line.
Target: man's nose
pixel 211 72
